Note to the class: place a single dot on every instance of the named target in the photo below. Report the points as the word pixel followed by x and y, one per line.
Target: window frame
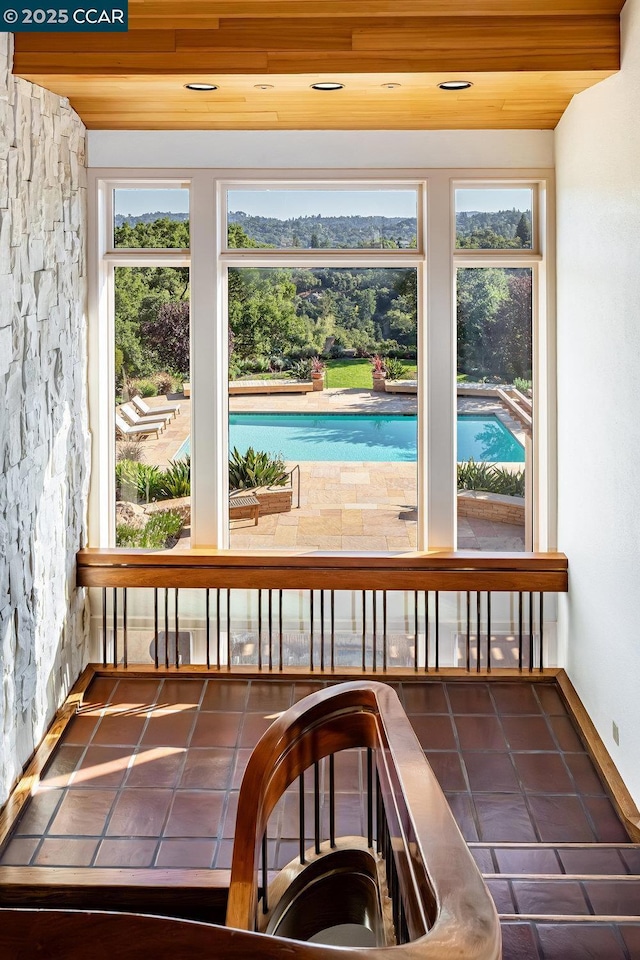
pixel 436 259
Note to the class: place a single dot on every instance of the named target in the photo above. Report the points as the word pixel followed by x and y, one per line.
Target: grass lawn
pixel 355 374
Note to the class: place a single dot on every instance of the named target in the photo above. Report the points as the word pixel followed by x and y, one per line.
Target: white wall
pixel 44 438
pixel 314 149
pixel 598 216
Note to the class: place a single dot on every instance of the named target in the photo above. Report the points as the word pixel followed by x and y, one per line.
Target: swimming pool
pixel 301 437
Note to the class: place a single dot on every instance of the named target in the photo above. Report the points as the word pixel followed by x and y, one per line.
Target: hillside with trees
pixel 279 315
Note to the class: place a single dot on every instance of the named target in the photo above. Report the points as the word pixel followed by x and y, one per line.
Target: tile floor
pixel 148 773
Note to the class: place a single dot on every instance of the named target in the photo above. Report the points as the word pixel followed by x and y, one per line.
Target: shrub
pixel 165 382
pixel 395 368
pixel 160 532
pixel 137 482
pixel 490 478
pixel 377 363
pixel 257 365
pixel 301 369
pixel 524 386
pixel 277 364
pixel 176 480
pixel 255 469
pixel 143 388
pixel 130 450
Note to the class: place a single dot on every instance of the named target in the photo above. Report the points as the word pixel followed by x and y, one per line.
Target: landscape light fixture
pixel 455 85
pixel 327 86
pixel 201 86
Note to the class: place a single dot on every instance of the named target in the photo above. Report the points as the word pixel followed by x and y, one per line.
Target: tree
pixel 168 336
pixel 523 230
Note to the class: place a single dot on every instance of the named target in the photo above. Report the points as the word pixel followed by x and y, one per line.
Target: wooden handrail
pixel 448 909
pixel 275 570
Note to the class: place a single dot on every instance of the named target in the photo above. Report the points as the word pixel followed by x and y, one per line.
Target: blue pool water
pixel 300 437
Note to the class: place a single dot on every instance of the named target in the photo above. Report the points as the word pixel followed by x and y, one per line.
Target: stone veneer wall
pixel 44 438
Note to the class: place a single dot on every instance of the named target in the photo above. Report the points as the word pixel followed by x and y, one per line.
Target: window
pixel 323 300
pixel 146 383
pixel 323 366
pixel 496 259
pixel 312 218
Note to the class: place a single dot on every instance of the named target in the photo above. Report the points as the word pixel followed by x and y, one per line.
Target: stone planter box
pixel 274 500
pixel 491 506
pixel 378 382
pixel 271 499
pixel 245 387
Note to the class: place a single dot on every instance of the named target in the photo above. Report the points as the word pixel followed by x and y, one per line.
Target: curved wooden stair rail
pixel 448 908
pixel 449 912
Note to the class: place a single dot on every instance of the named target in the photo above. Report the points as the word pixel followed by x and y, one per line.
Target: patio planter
pixel 271 499
pixel 378 381
pixel 274 499
pixel 317 379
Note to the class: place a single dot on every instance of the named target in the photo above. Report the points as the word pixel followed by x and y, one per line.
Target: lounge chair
pixel 139 430
pixel 146 410
pixel 134 418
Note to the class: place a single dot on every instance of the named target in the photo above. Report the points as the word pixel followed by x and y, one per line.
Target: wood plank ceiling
pixel 525 59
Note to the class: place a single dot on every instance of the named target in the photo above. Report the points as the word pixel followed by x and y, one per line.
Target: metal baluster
pixel 478 625
pixel 311 637
pixel 177 638
pixel 301 816
pixel 259 629
pixel 156 629
pixel 369 797
pixel 115 626
pixel 520 637
pixel 437 640
pixel 207 626
pixel 415 630
pixel 104 626
pixel 332 801
pixel 218 627
pixel 530 632
pixel 374 655
pixel 270 629
pixel 316 806
pixel 280 627
pixel 333 630
pixel 125 650
pixel 364 629
pixel 322 631
pixel 228 629
pixel 540 631
pixel 488 631
pixel 384 632
pixel 379 816
pixel 427 631
pixel 166 627
pixel 265 878
pixel 468 631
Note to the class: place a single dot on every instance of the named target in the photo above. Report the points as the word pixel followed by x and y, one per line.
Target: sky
pixel 285 204
pixel 483 200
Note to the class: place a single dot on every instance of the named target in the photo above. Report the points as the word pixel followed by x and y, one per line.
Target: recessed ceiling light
pixel 391 86
pixel 201 86
pixel 455 85
pixel 263 86
pixel 327 86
